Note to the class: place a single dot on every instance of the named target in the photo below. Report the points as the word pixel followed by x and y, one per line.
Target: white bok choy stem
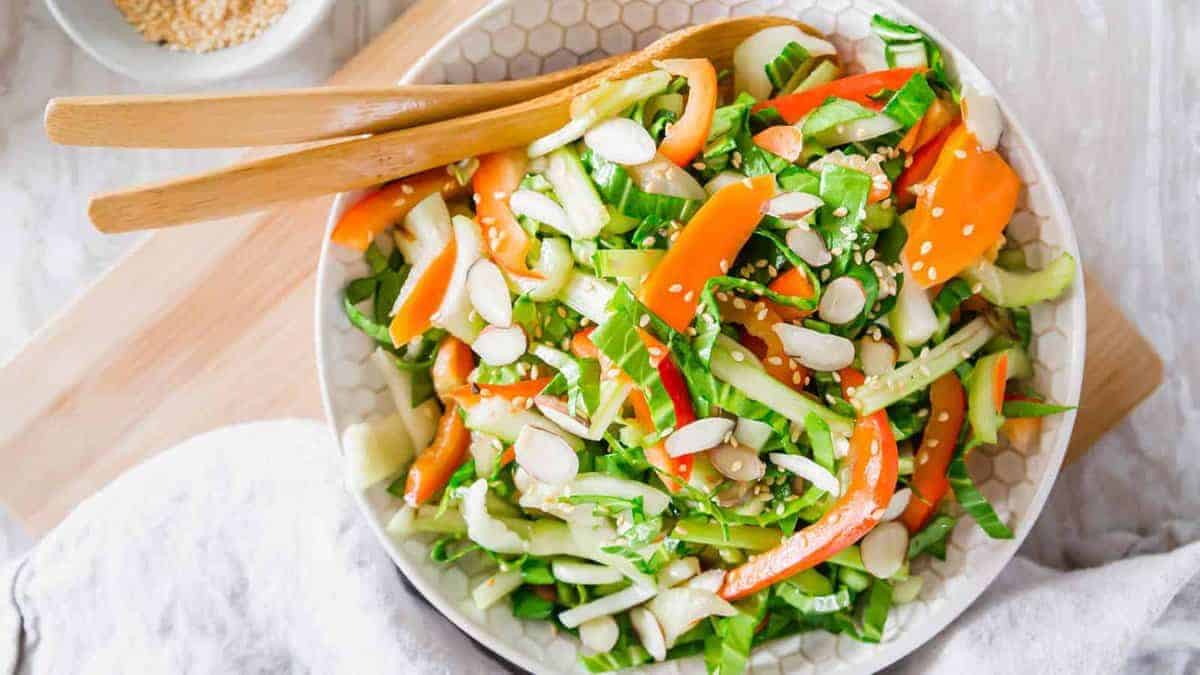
pixel 607 605
pixel 420 421
pixel 588 574
pixel 809 470
pixel 605 101
pixel 375 450
pixel 678 609
pixel 454 314
pixel 879 392
pixel 485 530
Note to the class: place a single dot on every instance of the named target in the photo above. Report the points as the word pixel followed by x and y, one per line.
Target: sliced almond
pixel 842 301
pixel 698 436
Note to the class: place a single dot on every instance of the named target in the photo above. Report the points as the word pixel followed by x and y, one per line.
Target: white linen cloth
pixel 240 551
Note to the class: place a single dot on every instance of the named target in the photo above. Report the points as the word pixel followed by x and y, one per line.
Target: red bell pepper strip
pixel 947 408
pixel 857 88
pixel 434 466
pixel 918 170
pixel 678 467
pixel 969 198
pixel 706 247
pixel 685 138
pixel 498 176
pixel 386 207
pixel 873 471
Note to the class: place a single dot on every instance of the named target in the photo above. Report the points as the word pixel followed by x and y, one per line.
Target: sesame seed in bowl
pixel 201 25
pixel 180 43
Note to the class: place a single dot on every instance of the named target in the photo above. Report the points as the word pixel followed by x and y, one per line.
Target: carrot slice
pixel 857 88
pixel 706 248
pixel 498 176
pixel 784 140
pixel 947 408
pixel 423 298
pixel 685 138
pixel 968 199
pixel 384 208
pixel 434 466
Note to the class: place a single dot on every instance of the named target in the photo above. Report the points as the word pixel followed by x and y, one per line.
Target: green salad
pixel 702 368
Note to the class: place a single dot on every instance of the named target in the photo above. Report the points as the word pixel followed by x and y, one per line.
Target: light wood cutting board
pixel 209 325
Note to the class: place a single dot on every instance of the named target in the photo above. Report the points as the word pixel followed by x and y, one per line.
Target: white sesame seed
pixel 967 230
pixel 675 288
pixel 938 211
pixel 932 273
pixel 644 321
pixel 961 154
pixel 738 356
pixel 926 247
pixel 840 212
pixel 918 265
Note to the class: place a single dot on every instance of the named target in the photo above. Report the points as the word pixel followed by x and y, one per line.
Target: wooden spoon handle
pixel 324 169
pixel 284 116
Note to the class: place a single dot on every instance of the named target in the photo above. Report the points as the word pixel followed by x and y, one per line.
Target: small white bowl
pixel 100 29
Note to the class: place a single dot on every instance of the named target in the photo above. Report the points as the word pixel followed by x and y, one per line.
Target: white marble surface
pixel 1109 88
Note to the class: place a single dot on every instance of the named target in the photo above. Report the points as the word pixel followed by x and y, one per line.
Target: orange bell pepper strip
pixel 857 88
pixel 968 199
pixel 940 115
pixel 434 466
pixel 384 208
pixel 1022 432
pixel 874 466
pixel 761 339
pixel 909 142
pixel 498 176
pixel 452 365
pixel 685 138
pixel 423 298
pixel 919 168
pixel 468 395
pixel 784 140
pixel 947 409
pixel 793 282
pixel 582 345
pixel 706 247
pixel 1000 383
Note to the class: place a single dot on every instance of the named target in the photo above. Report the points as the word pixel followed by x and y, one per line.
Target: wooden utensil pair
pixel 455 121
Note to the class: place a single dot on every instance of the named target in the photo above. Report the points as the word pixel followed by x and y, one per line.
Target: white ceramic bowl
pixel 99 29
pixel 521 38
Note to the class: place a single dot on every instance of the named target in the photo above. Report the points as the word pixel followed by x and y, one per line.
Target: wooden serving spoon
pixel 363 162
pixel 233 120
